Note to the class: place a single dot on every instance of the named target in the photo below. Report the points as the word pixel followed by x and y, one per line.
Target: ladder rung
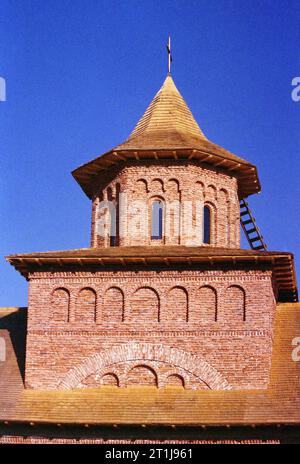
pixel 260 247
pixel 244 213
pixel 249 221
pixel 255 239
pixel 250 231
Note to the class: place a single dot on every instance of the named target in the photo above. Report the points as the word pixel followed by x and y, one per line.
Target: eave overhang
pixel 214 157
pixel 282 263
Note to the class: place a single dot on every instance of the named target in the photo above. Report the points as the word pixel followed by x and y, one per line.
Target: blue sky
pixel 79 74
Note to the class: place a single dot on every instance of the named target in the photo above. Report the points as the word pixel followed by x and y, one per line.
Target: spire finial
pixel 169 55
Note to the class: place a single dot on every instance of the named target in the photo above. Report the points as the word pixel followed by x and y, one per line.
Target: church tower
pixel 164 295
pixel 167 168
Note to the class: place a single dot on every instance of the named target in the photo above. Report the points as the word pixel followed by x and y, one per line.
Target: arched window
pixel 206 225
pixel 116 240
pixel 157 220
pixel 112 218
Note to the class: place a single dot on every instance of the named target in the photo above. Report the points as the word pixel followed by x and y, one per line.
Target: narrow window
pixel 206 225
pixel 157 220
pixel 115 218
pixel 112 218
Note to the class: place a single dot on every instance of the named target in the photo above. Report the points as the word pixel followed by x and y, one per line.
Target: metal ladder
pixel 252 232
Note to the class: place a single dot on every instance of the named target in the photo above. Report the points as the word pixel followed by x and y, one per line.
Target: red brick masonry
pixel 169 181
pixel 200 329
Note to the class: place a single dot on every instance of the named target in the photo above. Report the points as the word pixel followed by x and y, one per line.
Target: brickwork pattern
pixel 7 439
pixel 222 317
pixel 145 364
pixel 174 184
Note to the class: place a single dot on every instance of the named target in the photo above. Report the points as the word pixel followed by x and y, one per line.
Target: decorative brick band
pixel 143 352
pixel 154 334
pixel 98 277
pixel 18 439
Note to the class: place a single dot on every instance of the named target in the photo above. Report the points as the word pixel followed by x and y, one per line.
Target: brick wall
pixel 32 440
pixel 184 183
pixel 195 328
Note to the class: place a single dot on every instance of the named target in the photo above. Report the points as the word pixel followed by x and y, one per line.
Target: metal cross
pixel 169 55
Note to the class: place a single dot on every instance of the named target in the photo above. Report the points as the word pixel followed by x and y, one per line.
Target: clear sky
pixel 79 74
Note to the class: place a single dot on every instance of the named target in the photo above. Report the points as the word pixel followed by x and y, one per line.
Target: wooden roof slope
pixel 279 404
pixel 166 119
pixel 168 130
pixel 282 263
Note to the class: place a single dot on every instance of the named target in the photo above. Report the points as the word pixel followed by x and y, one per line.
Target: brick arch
pixel 141 374
pixel 142 353
pixel 113 304
pixel 235 303
pixel 199 189
pixel 85 305
pixel 211 192
pixel 176 305
pixel 173 185
pixel 213 222
pixel 206 308
pixel 141 185
pixel 151 201
pixel 144 305
pixel 159 292
pixel 157 185
pixel 156 198
pixel 175 380
pixel 110 378
pixel 60 304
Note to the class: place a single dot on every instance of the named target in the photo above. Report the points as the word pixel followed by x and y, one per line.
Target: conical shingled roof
pixel 168 130
pixel 166 120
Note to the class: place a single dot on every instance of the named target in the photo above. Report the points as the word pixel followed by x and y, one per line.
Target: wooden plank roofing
pixel 282 263
pixel 168 130
pixel 279 404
